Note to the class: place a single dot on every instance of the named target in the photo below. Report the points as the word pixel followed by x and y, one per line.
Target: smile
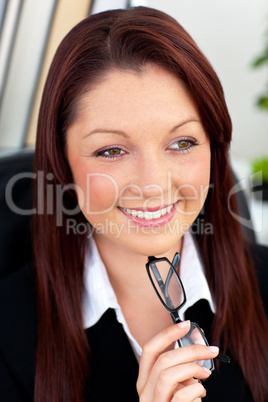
pixel 148 215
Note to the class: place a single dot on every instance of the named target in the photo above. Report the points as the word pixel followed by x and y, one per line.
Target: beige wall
pixel 67 14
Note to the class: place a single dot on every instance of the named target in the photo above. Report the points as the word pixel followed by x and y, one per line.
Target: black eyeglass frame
pixel 175 261
pixel 174 311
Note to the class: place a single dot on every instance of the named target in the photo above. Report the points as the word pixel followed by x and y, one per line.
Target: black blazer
pixel 114 367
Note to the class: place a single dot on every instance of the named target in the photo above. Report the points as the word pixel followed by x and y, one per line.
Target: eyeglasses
pixel 169 289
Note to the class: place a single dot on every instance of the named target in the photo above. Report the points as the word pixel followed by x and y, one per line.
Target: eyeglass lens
pixel 196 337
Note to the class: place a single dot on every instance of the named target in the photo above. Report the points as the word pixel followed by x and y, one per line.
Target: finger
pixel 193 392
pixel 186 354
pixel 156 346
pixel 180 386
pixel 182 360
pixel 176 378
pixel 188 382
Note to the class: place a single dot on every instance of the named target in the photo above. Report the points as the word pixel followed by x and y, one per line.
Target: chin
pixel 154 246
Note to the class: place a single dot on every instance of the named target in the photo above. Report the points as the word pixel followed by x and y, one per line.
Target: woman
pixel 133 139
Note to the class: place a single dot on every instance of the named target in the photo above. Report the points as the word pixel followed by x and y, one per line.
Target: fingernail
pixel 206 370
pixel 184 324
pixel 214 349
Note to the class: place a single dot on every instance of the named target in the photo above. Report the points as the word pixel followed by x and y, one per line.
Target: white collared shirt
pixel 99 295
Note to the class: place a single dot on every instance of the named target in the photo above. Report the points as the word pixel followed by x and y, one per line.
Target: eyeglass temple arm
pixel 176 260
pixel 174 264
pixel 163 286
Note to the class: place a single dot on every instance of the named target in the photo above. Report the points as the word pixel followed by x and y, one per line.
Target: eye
pixel 110 153
pixel 183 145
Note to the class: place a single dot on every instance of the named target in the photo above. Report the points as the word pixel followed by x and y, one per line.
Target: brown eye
pixel 110 153
pixel 114 151
pixel 183 143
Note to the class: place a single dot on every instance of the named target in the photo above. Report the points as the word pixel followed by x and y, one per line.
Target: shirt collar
pixel 99 295
pixel 192 275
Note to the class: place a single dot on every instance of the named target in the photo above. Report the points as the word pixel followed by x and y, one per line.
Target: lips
pixel 148 215
pixel 150 218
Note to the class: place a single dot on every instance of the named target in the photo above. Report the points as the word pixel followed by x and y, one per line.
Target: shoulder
pixel 18 335
pixel 16 211
pixel 18 281
pixel 17 303
pixel 259 255
pixel 17 295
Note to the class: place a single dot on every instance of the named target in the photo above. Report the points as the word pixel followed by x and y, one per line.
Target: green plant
pixel 260 167
pixel 262 60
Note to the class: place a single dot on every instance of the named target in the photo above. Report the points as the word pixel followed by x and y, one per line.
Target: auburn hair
pixel 130 39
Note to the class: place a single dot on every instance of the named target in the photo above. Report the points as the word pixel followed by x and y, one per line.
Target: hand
pixel 172 375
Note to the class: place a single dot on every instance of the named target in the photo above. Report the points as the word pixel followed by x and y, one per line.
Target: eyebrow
pixel 106 130
pixel 190 120
pixel 123 134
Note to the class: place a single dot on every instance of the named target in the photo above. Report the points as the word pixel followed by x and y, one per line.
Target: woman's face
pixel 141 158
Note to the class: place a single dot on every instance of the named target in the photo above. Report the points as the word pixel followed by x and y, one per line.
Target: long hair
pixel 129 39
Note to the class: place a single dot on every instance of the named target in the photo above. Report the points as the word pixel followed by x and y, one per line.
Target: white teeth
pixel 157 214
pixel 140 214
pixel 163 211
pixel 148 215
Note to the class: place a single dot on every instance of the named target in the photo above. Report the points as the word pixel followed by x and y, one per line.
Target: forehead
pixel 126 93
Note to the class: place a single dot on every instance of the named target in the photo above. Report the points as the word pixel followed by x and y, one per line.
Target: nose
pixel 152 178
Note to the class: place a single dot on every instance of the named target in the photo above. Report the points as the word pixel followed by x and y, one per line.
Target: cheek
pixel 195 185
pixel 96 191
pixel 100 192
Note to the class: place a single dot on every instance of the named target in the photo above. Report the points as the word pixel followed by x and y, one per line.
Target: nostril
pixel 129 190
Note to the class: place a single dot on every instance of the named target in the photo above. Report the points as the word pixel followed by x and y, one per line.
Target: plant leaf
pixel 260 60
pixel 262 102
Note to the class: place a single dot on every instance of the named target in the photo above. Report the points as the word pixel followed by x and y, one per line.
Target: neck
pixel 125 268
